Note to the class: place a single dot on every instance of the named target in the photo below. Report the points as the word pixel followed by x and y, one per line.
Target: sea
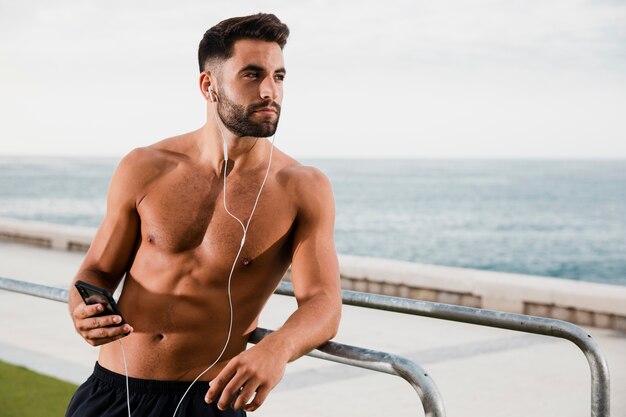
pixel 554 218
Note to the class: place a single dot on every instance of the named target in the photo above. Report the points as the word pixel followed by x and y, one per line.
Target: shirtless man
pixel 167 231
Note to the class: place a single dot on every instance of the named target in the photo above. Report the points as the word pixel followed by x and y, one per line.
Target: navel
pixel 150 239
pixel 246 261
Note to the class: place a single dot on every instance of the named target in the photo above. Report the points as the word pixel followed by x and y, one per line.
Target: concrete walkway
pixel 479 371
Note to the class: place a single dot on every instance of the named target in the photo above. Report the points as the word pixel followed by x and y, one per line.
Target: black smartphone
pixel 96 295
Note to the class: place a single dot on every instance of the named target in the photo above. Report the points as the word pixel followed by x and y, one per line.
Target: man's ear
pixel 206 86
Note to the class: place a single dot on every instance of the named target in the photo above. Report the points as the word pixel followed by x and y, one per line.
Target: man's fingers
pixel 99 342
pixel 99 335
pixel 83 311
pixel 245 395
pixel 219 382
pixel 259 398
pixel 97 322
pixel 231 390
pixel 106 332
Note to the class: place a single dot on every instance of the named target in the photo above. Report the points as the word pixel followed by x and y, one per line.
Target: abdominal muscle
pixel 181 322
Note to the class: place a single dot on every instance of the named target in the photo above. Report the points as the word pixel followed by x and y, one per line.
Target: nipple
pixel 246 261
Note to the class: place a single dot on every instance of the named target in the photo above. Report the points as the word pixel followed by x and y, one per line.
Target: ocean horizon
pixel 561 218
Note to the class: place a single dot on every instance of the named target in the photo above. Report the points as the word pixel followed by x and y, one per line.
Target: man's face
pixel 251 88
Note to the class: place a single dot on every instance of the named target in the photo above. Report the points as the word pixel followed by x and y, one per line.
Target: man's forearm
pixel 314 322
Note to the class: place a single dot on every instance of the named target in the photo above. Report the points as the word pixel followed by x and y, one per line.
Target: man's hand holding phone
pixel 98 320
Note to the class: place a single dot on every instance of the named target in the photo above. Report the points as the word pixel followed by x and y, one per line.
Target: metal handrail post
pixel 421 382
pixel 600 380
pixel 381 362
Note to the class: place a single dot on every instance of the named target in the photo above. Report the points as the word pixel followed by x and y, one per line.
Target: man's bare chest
pixel 184 215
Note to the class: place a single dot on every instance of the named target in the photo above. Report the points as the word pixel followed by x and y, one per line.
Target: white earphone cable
pixel 232 269
pixel 126 373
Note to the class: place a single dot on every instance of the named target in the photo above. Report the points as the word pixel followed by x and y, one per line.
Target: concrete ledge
pixel 584 303
pixel 47 235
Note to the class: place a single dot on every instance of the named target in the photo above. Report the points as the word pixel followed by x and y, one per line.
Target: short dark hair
pixel 217 42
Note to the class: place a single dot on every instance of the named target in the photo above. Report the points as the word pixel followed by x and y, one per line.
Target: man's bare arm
pixel 108 256
pixel 315 277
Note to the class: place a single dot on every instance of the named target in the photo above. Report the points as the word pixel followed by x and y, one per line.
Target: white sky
pixel 399 78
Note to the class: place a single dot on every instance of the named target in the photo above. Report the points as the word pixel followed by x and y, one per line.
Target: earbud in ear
pixel 210 91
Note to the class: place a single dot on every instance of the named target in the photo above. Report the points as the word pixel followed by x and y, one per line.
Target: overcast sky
pixel 366 78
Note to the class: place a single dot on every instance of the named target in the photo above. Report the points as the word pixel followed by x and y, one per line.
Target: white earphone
pixel 210 92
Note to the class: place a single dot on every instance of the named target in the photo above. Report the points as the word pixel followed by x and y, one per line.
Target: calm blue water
pixel 552 218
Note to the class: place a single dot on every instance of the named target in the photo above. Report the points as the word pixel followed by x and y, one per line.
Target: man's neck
pixel 243 152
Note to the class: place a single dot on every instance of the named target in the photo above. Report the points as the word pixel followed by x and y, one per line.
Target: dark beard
pixel 237 118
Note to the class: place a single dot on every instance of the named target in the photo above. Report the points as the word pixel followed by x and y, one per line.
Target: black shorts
pixel 104 395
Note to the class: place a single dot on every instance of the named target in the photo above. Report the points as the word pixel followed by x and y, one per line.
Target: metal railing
pixel 600 381
pixel 388 363
pixel 396 365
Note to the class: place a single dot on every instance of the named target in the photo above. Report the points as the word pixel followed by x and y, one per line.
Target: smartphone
pixel 96 295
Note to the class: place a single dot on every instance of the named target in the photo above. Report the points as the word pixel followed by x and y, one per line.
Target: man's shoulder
pixel 305 184
pixel 144 165
pixel 162 152
pixel 296 176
